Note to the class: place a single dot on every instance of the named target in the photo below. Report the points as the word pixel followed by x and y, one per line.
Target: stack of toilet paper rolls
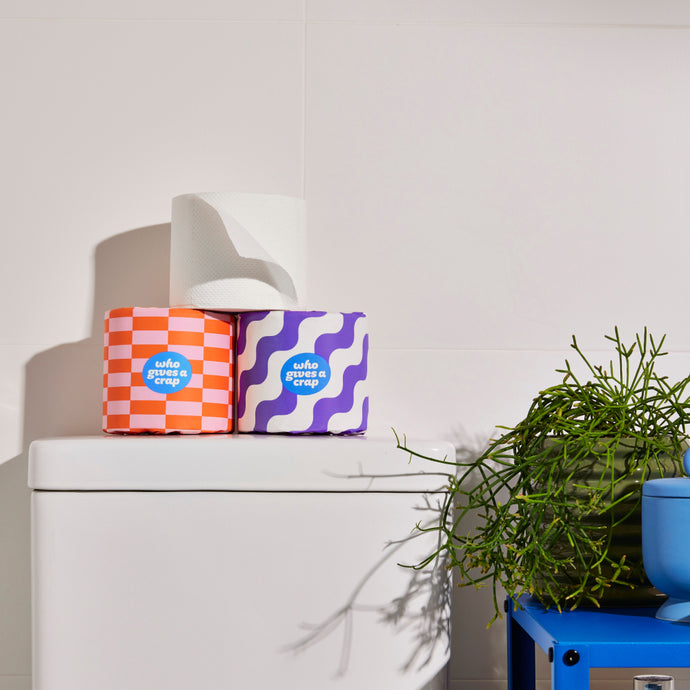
pixel 236 281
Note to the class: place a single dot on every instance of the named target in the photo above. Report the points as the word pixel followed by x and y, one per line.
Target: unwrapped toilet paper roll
pixel 167 371
pixel 302 372
pixel 237 252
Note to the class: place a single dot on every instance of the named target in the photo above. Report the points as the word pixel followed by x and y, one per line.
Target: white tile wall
pixel 484 179
pixel 215 10
pixel 22 682
pixel 505 184
pixel 107 120
pixel 586 12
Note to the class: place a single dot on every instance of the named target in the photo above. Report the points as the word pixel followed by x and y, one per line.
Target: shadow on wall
pixel 64 385
pixel 477 651
pixel 63 394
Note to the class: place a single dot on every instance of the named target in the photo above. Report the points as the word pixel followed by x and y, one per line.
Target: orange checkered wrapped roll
pixel 168 371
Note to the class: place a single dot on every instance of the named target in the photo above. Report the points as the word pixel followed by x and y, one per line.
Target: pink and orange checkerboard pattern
pixel 135 334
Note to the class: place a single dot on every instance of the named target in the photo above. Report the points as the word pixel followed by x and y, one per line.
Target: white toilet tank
pixel 226 562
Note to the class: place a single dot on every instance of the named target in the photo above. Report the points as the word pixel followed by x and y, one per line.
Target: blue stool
pixel 577 641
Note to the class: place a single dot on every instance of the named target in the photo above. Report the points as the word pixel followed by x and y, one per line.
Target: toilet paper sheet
pixel 237 252
pixel 302 372
pixel 167 370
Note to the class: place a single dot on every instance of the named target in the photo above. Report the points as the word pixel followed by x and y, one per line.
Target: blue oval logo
pixel 305 374
pixel 167 372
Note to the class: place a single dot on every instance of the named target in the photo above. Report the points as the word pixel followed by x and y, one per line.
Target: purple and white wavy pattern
pixel 266 340
pixel 260 336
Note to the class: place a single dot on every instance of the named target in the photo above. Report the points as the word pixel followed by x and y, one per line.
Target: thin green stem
pixel 537 510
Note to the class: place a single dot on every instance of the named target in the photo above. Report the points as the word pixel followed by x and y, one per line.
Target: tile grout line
pixel 304 98
pixel 684 26
pixel 493 349
pixel 170 20
pixel 440 23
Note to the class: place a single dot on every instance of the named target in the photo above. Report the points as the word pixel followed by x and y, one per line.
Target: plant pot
pixel 619 526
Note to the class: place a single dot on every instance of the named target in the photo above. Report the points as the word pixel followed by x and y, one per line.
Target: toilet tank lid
pixel 222 462
pixel 672 487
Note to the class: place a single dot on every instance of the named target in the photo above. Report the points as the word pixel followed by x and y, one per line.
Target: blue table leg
pixel 521 674
pixel 570 667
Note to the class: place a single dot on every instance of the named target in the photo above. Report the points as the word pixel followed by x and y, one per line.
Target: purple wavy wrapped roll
pixel 302 372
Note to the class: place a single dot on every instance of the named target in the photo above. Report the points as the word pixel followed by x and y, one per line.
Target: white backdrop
pixel 483 179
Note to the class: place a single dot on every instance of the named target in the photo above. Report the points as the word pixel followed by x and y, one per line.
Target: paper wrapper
pixel 302 372
pixel 167 371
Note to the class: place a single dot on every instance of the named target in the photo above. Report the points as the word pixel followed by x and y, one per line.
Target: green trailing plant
pixel 536 512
